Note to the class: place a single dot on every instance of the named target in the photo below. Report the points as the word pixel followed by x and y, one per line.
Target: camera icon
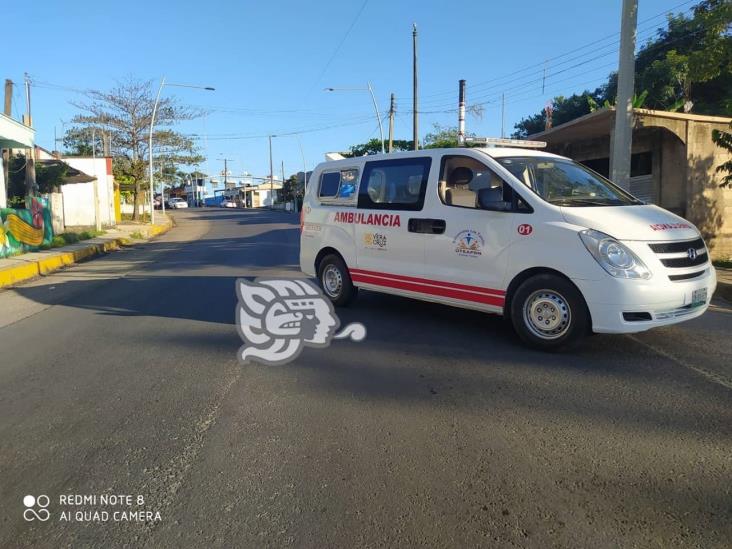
pixel 35 508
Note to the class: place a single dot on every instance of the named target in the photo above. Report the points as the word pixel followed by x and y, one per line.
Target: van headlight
pixel 613 256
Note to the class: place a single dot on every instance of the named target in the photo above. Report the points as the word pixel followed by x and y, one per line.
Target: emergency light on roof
pixel 501 142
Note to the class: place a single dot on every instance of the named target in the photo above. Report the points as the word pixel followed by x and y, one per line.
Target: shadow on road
pixel 415 351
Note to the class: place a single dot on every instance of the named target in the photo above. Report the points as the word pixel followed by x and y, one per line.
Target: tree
pixel 723 139
pixel 442 137
pixel 291 189
pixel 124 113
pixel 373 146
pixel 50 177
pixel 78 142
pixel 564 109
pixel 690 60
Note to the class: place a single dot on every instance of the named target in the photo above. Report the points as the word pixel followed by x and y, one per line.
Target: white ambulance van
pixel 537 237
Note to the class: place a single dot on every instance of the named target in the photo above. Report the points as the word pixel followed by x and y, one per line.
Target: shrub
pixel 69 238
pixel 86 235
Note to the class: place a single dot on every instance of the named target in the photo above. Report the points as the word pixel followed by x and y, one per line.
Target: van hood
pixel 643 222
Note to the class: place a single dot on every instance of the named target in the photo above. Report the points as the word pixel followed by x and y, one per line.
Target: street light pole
pixel 150 144
pixel 376 107
pixel 150 157
pixel 271 173
pixel 378 116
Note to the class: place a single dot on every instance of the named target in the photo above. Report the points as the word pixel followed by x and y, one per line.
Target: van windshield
pixel 566 183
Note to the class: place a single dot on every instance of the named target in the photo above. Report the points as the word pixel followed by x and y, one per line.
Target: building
pixel 13 135
pixel 673 164
pixel 262 195
pixel 87 195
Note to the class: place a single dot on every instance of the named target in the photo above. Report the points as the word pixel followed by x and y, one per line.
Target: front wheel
pixel 335 280
pixel 548 312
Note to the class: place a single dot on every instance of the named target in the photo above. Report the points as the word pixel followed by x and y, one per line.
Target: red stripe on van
pixel 463 295
pixel 453 285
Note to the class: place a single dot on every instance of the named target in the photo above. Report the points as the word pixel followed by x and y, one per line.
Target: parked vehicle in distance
pixel 176 203
pixel 228 203
pixel 157 203
pixel 555 247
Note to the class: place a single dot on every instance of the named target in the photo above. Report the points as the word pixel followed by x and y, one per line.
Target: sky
pixel 270 61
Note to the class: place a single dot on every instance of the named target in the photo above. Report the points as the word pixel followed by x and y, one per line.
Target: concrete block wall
pixel 709 206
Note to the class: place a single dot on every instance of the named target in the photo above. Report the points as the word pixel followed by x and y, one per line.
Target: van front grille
pixel 679 256
pixel 679 262
pixel 687 276
pixel 676 247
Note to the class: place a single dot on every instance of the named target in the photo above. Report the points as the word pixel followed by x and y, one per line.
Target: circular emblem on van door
pixel 691 253
pixel 525 229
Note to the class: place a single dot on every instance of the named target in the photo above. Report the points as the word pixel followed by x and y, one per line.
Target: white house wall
pixel 78 201
pixel 101 169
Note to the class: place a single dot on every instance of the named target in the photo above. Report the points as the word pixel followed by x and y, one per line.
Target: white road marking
pixel 711 376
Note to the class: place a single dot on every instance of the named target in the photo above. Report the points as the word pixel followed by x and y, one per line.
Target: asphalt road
pixel 119 376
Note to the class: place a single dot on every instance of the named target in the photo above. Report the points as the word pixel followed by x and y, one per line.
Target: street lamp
pixel 150 144
pixel 369 89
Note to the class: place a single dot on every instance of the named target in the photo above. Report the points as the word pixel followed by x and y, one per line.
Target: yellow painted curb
pixel 47 265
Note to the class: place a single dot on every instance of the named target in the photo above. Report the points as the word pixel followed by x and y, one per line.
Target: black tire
pixel 335 281
pixel 549 313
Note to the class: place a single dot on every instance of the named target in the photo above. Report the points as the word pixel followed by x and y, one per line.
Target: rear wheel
pixel 548 312
pixel 335 280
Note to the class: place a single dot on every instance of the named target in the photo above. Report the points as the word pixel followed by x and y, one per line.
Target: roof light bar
pixel 501 142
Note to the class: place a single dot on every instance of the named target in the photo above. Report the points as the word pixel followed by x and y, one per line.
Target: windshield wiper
pixel 584 202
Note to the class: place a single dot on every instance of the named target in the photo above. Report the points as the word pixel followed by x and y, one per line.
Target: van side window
pixel 394 184
pixel 338 187
pixel 468 183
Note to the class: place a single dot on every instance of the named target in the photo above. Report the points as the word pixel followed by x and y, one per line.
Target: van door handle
pixel 426 225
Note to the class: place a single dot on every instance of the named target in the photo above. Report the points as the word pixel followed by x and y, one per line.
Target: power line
pixel 540 77
pixel 492 98
pixel 559 56
pixel 283 133
pixel 339 46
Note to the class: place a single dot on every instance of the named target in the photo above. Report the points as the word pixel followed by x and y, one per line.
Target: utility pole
pixel 392 111
pixel 226 171
pixel 543 79
pixel 6 152
pixel 283 174
pixel 503 115
pixel 461 113
pixel 30 166
pixel 97 217
pixel 8 97
pixel 415 89
pixel 622 138
pixel 271 173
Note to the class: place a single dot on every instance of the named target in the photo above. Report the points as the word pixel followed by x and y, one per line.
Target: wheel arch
pixel 328 250
pixel 526 274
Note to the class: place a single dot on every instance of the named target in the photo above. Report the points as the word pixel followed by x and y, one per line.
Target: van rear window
pixel 329 183
pixel 338 186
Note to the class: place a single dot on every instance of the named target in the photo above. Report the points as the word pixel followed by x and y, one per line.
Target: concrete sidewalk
pixel 724 283
pixel 30 265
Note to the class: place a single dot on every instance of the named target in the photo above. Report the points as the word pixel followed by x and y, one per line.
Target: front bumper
pixel 665 301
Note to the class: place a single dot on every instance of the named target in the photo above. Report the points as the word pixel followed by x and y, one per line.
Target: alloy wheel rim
pixel 547 314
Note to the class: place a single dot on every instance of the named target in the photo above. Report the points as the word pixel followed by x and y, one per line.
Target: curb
pixel 48 265
pixel 724 291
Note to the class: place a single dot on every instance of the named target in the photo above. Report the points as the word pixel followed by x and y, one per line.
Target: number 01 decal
pixel 525 229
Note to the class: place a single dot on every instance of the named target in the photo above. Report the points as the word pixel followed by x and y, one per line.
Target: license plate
pixel 699 297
